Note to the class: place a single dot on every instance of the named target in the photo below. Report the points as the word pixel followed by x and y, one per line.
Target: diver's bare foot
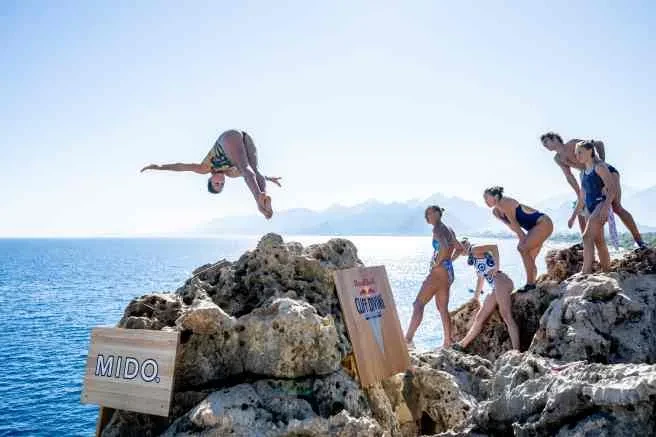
pixel 267 204
pixel 265 213
pixel 264 205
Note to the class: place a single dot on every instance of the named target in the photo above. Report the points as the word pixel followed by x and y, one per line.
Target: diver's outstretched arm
pixel 571 180
pixel 196 168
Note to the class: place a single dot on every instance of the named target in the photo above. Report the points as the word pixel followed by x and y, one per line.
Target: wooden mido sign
pixel 372 322
pixel 131 369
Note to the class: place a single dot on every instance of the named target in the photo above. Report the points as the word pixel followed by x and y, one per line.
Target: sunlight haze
pixel 347 101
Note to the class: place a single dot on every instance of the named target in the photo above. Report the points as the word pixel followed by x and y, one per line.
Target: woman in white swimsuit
pixel 485 260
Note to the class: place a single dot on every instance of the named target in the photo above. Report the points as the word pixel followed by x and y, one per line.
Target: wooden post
pixel 104 416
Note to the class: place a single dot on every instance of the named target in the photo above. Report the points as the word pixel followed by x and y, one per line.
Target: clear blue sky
pixel 346 101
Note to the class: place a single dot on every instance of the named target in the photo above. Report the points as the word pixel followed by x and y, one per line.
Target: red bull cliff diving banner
pixel 131 369
pixel 372 322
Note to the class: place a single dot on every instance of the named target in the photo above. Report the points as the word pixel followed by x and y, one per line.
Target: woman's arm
pixel 446 249
pixel 580 204
pixel 497 260
pixel 571 180
pixel 459 250
pixel 479 252
pixel 479 286
pixel 196 168
pixel 599 147
pixel 509 212
pixel 452 241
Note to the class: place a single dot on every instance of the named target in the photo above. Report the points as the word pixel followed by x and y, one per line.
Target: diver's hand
pixel 274 179
pixel 520 245
pixel 603 214
pixel 150 167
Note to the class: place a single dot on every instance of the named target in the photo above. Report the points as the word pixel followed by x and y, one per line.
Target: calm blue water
pixel 52 292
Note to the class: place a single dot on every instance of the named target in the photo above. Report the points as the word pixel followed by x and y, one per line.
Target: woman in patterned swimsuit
pixel 234 154
pixel 485 260
pixel 439 279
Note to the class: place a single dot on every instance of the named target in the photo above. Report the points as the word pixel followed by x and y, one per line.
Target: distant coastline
pixel 376 218
pixel 626 240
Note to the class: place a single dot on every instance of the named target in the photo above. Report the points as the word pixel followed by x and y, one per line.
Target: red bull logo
pixel 363 283
pixel 370 305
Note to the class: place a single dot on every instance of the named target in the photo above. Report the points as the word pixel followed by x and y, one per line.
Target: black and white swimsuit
pixel 483 267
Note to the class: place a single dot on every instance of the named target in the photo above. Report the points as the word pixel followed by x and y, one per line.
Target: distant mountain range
pixel 407 218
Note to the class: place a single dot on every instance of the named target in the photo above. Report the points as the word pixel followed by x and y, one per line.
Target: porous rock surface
pixel 264 347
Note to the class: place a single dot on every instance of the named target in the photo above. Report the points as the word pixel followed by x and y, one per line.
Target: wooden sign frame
pixel 372 322
pixel 131 369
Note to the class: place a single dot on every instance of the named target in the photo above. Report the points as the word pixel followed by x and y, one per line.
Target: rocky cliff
pixel 265 353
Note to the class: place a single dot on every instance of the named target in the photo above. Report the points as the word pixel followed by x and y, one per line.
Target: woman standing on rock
pixel 485 260
pixel 439 279
pixel 598 191
pixel 531 226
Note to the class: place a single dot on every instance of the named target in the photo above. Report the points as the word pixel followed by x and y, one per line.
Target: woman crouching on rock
pixel 532 227
pixel 485 260
pixel 439 279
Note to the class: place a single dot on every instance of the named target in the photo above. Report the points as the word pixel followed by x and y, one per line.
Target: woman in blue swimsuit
pixel 598 191
pixel 439 279
pixel 531 226
pixel 485 260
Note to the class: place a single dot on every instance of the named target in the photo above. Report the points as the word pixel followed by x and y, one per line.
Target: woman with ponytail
pixel 599 191
pixel 440 277
pixel 532 227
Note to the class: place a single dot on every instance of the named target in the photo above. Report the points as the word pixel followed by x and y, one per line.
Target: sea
pixel 54 291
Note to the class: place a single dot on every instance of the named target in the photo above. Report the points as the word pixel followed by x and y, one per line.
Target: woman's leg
pixel 581 223
pixel 503 288
pixel 535 252
pixel 442 302
pixel 602 250
pixel 426 293
pixel 625 215
pixel 594 231
pixel 480 318
pixel 530 248
pixel 251 153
